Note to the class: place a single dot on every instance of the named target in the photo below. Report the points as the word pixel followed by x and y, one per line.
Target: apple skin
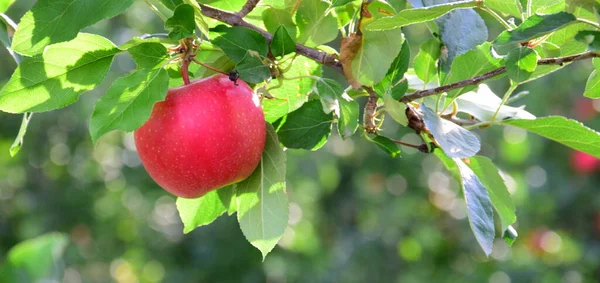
pixel 203 136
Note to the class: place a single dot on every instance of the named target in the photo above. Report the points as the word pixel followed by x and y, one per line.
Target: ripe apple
pixel 584 163
pixel 205 135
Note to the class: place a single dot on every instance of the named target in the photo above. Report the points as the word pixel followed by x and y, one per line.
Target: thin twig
pixel 332 61
pixel 478 79
pixel 235 20
pixel 248 7
pixel 370 110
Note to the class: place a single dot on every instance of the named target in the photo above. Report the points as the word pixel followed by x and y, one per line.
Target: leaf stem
pixel 153 8
pixel 501 20
pixel 510 90
pixel 596 25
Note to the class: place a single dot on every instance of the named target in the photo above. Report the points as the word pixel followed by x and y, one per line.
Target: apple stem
pixel 185 74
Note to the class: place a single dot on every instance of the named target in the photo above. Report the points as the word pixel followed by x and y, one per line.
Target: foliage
pixel 278 48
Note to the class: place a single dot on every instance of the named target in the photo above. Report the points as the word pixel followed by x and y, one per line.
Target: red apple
pixel 205 135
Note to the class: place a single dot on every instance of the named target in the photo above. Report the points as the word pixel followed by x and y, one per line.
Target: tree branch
pixel 332 61
pixel 478 79
pixel 248 7
pixel 235 20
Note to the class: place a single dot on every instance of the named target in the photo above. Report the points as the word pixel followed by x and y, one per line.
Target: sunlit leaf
pixel 419 15
pixel 488 174
pixel 510 7
pixel 200 211
pixel 314 25
pixel 128 103
pixel 592 87
pixel 335 99
pixel 483 104
pixel 560 129
pixel 51 21
pixel 471 64
pixel 454 140
pixel 479 207
pixel 424 63
pixel 273 18
pixel 149 54
pixel 535 26
pixel 289 95
pixel 57 78
pixel 263 208
pixel 520 64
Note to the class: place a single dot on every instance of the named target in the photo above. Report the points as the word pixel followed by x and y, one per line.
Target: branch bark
pixel 479 79
pixel 248 7
pixel 332 61
pixel 235 20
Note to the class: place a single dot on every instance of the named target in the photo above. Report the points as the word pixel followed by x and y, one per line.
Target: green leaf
pixel 479 207
pixel 510 235
pixel 369 67
pixel 520 63
pixel 424 63
pixel 592 87
pixel 227 197
pixel 591 38
pixel 51 21
pixel 534 27
pixel 198 17
pixel 387 145
pixel 35 260
pixel 5 4
pixel 339 3
pixel 454 140
pixel 57 78
pixel 509 7
pixel 181 24
pixel 262 203
pixel 314 25
pixel 16 146
pixel 291 94
pixel 483 104
pixel 488 174
pixel 171 4
pixel 236 41
pixel 560 129
pixel 335 99
pixel 348 118
pixel 282 43
pixel 252 69
pixel 395 108
pixel 149 54
pixel 452 29
pixel 200 211
pixel 273 18
pixel 473 63
pixel 391 83
pixel 128 103
pixel 306 128
pixel 419 15
pixel 547 6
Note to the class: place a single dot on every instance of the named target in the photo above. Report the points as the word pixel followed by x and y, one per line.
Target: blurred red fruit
pixel 584 163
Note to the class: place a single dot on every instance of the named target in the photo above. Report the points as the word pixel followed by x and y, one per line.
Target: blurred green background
pixel 356 215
